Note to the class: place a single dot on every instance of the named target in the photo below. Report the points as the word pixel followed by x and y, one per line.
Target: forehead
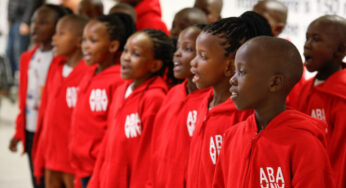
pixel 45 13
pixel 190 33
pixel 323 28
pixel 95 26
pixel 140 40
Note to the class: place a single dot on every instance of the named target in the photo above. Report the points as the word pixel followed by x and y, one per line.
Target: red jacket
pixel 294 96
pixel 173 129
pixel 124 159
pixel 207 139
pixel 289 152
pixel 149 16
pixel 23 86
pixel 53 128
pixel 327 102
pixel 89 119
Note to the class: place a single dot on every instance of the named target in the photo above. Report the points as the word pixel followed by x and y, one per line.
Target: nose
pixel 307 43
pixel 177 53
pixel 125 56
pixel 233 81
pixel 193 62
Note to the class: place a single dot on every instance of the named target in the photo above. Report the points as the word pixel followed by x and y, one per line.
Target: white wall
pixel 301 13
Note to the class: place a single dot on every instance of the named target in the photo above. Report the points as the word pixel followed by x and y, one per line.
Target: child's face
pixel 249 83
pixel 137 58
pixel 96 45
pixel 186 51
pixel 320 46
pixel 43 25
pixel 210 64
pixel 65 40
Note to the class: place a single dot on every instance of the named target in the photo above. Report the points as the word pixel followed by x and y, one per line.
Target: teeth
pixel 234 94
pixel 176 63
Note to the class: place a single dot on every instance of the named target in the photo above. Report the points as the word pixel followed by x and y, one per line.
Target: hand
pixel 24 29
pixel 13 144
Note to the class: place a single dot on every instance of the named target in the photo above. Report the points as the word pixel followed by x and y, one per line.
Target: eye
pixel 188 49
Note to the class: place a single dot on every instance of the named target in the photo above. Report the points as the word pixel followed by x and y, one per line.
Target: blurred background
pixel 14 170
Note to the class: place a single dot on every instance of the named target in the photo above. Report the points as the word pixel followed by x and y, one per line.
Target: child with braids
pixel 103 41
pixel 175 122
pixel 34 67
pixel 213 66
pixel 124 159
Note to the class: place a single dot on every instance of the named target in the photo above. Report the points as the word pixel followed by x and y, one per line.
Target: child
pixel 212 9
pixel 103 40
pixel 58 101
pixel 274 147
pixel 148 14
pixel 275 12
pixel 213 67
pixel 324 96
pixel 90 8
pixel 126 9
pixel 34 66
pixel 175 121
pixel 124 160
pixel 187 17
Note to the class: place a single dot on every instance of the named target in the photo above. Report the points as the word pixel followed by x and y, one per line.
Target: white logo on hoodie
pixel 215 147
pixel 133 126
pixel 270 179
pixel 191 121
pixel 98 100
pixel 71 96
pixel 319 114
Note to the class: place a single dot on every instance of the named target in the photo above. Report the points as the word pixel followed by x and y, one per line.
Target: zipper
pixel 246 180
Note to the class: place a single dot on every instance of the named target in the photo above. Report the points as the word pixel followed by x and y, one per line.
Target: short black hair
pixel 237 30
pixel 60 10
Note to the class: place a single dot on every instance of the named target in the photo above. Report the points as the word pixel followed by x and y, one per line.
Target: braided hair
pixel 120 27
pixel 163 50
pixel 237 30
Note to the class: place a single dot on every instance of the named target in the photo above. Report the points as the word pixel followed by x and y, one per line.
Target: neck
pixel 268 112
pixel 75 58
pixel 105 64
pixel 138 82
pixel 221 93
pixel 46 46
pixel 328 71
pixel 191 87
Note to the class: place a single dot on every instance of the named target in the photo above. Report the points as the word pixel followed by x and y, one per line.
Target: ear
pixel 279 27
pixel 156 66
pixel 229 70
pixel 114 46
pixel 276 83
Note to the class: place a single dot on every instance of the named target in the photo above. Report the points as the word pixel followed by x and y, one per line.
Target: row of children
pixel 95 127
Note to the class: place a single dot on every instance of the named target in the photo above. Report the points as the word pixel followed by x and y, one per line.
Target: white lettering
pixel 133 126
pixel 191 121
pixel 98 100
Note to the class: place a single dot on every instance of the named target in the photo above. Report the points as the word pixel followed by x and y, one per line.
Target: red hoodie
pixel 173 129
pixel 327 102
pixel 53 128
pixel 89 119
pixel 289 152
pixel 207 139
pixel 124 159
pixel 23 86
pixel 149 16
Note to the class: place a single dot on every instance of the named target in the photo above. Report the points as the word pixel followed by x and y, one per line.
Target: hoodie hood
pixel 153 83
pixel 146 6
pixel 335 84
pixel 295 120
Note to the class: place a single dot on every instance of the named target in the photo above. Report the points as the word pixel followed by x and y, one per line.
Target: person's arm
pixel 24 28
